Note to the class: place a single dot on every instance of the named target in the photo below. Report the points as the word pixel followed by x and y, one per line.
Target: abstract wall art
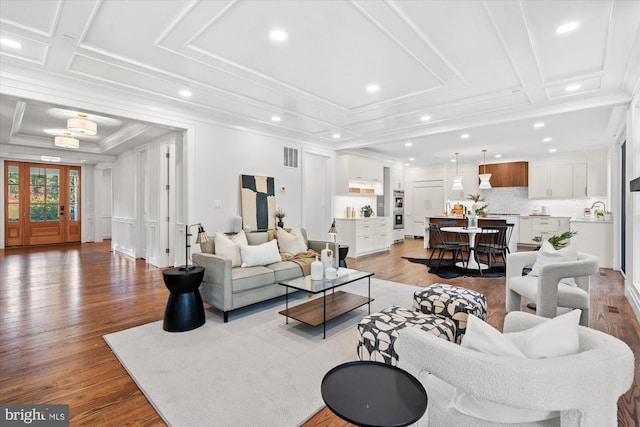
pixel 258 200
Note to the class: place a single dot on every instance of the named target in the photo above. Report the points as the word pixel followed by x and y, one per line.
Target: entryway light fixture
pixel 66 141
pixel 82 126
pixel 457 180
pixel 484 177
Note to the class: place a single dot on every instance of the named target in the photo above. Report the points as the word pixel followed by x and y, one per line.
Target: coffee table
pixel 369 393
pixel 320 310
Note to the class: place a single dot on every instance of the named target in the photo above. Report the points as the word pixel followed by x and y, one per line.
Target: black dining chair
pixel 437 241
pixel 493 242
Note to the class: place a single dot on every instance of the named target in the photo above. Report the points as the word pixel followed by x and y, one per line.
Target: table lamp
pixel 334 231
pixel 202 237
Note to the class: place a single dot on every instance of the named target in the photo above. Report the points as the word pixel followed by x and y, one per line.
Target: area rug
pixel 253 370
pixel 448 270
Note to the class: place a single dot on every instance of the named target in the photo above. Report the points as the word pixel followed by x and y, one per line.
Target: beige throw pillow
pixel 229 247
pixel 291 243
pixel 549 255
pixel 264 254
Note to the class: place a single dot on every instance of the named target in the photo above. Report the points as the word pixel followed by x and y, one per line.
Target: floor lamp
pixel 202 237
pixel 334 231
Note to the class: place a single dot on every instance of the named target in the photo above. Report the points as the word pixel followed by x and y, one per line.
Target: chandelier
pixel 81 125
pixel 484 177
pixel 66 141
pixel 457 180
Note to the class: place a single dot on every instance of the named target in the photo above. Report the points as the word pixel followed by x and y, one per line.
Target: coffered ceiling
pixel 489 69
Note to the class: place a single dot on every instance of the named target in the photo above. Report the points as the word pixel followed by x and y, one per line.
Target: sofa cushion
pixel 257 237
pixel 291 242
pixel 285 270
pixel 248 278
pixel 549 255
pixel 229 247
pixel 266 253
pixel 568 295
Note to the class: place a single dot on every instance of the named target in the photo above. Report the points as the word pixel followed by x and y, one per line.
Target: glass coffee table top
pixel 345 276
pixel 374 394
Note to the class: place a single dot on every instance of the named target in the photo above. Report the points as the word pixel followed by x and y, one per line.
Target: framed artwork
pixel 258 202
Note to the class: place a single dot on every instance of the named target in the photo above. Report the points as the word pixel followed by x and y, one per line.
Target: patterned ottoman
pixel 377 332
pixel 451 302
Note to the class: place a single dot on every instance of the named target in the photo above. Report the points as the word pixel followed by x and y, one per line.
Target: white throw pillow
pixel 229 247
pixel 552 338
pixel 266 253
pixel 291 243
pixel 548 255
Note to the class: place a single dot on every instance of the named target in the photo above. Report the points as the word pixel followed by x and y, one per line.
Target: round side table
pixel 184 310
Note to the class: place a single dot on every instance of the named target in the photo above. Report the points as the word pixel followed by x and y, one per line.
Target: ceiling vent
pixel 290 157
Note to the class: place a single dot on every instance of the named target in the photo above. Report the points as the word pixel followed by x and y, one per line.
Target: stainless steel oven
pixel 398 209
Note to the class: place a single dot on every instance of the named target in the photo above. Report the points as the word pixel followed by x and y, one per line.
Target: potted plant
pixel 366 210
pixel 279 215
pixel 481 211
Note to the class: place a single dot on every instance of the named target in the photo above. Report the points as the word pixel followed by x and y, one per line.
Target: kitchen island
pixel 462 222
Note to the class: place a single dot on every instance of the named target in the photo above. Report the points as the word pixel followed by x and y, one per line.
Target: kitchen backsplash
pixel 515 200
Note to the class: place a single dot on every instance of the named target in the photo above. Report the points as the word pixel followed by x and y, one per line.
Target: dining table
pixel 471 232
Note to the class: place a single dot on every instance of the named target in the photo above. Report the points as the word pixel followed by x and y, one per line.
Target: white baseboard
pixel 632 292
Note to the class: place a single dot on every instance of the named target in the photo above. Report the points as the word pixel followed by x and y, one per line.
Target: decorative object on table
pixel 457 180
pixel 558 242
pixel 258 200
pixel 472 221
pixel 366 211
pixel 334 232
pixel 279 215
pixel 326 256
pixel 317 270
pixel 481 210
pixel 477 198
pixel 484 177
pixel 202 238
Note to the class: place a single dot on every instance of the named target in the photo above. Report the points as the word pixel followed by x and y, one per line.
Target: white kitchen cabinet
pixel 594 238
pixel 579 180
pixel 364 235
pixel 597 174
pixel 355 171
pixel 428 201
pixel 541 226
pixel 553 181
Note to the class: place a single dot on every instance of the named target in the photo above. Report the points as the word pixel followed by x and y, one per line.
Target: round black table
pixel 374 394
pixel 184 310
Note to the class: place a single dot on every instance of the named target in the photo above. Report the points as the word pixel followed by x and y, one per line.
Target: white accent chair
pixel 584 387
pixel 548 290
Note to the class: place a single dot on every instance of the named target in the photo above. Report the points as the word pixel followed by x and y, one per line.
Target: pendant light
pixel 484 177
pixel 66 141
pixel 457 180
pixel 82 126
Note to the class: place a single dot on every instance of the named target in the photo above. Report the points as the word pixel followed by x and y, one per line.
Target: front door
pixel 42 204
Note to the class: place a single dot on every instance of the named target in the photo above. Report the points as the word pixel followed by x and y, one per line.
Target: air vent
pixel 290 157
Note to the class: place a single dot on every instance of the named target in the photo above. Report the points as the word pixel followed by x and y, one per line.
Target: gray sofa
pixel 228 288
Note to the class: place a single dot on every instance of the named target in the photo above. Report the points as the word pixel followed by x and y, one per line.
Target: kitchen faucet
pixel 604 208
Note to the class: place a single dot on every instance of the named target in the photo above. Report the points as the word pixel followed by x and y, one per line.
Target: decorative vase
pixel 280 223
pixel 317 269
pixel 473 221
pixel 325 256
pixel 367 214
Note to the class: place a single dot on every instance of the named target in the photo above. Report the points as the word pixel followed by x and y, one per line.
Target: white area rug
pixel 254 370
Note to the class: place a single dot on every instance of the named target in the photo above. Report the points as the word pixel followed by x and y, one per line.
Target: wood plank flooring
pixel 57 302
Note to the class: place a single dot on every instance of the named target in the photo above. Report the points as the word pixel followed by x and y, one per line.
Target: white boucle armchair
pixel 584 387
pixel 547 290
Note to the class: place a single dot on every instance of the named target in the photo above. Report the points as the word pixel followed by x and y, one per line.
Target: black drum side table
pixel 184 310
pixel 374 394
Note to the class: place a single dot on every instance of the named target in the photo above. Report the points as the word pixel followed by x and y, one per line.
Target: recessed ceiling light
pixel 464 136
pixel 407 164
pixel 408 144
pixel 552 150
pixel 425 118
pixel 278 35
pixel 571 88
pixel 186 93
pixel 547 139
pixel 336 136
pixel 373 88
pixel 565 28
pixel 498 156
pixel 411 159
pixel 10 43
pixel 275 118
pixel 539 125
pixel 453 160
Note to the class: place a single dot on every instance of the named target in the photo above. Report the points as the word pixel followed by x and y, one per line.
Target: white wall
pixel 632 277
pixel 123 232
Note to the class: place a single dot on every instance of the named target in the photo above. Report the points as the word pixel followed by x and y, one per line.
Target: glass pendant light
pixel 484 177
pixel 457 180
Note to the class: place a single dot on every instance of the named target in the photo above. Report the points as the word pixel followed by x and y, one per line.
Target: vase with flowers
pixel 279 215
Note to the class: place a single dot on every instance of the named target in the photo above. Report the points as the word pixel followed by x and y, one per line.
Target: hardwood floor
pixel 57 302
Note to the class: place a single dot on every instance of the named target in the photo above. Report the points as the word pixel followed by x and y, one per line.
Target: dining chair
pixel 437 241
pixel 494 244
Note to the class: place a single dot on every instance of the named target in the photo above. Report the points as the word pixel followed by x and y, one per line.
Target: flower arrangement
pixel 280 214
pixel 476 198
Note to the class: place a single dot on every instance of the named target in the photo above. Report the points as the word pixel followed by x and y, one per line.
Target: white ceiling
pixel 490 69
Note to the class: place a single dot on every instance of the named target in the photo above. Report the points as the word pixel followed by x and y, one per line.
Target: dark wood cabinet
pixel 514 174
